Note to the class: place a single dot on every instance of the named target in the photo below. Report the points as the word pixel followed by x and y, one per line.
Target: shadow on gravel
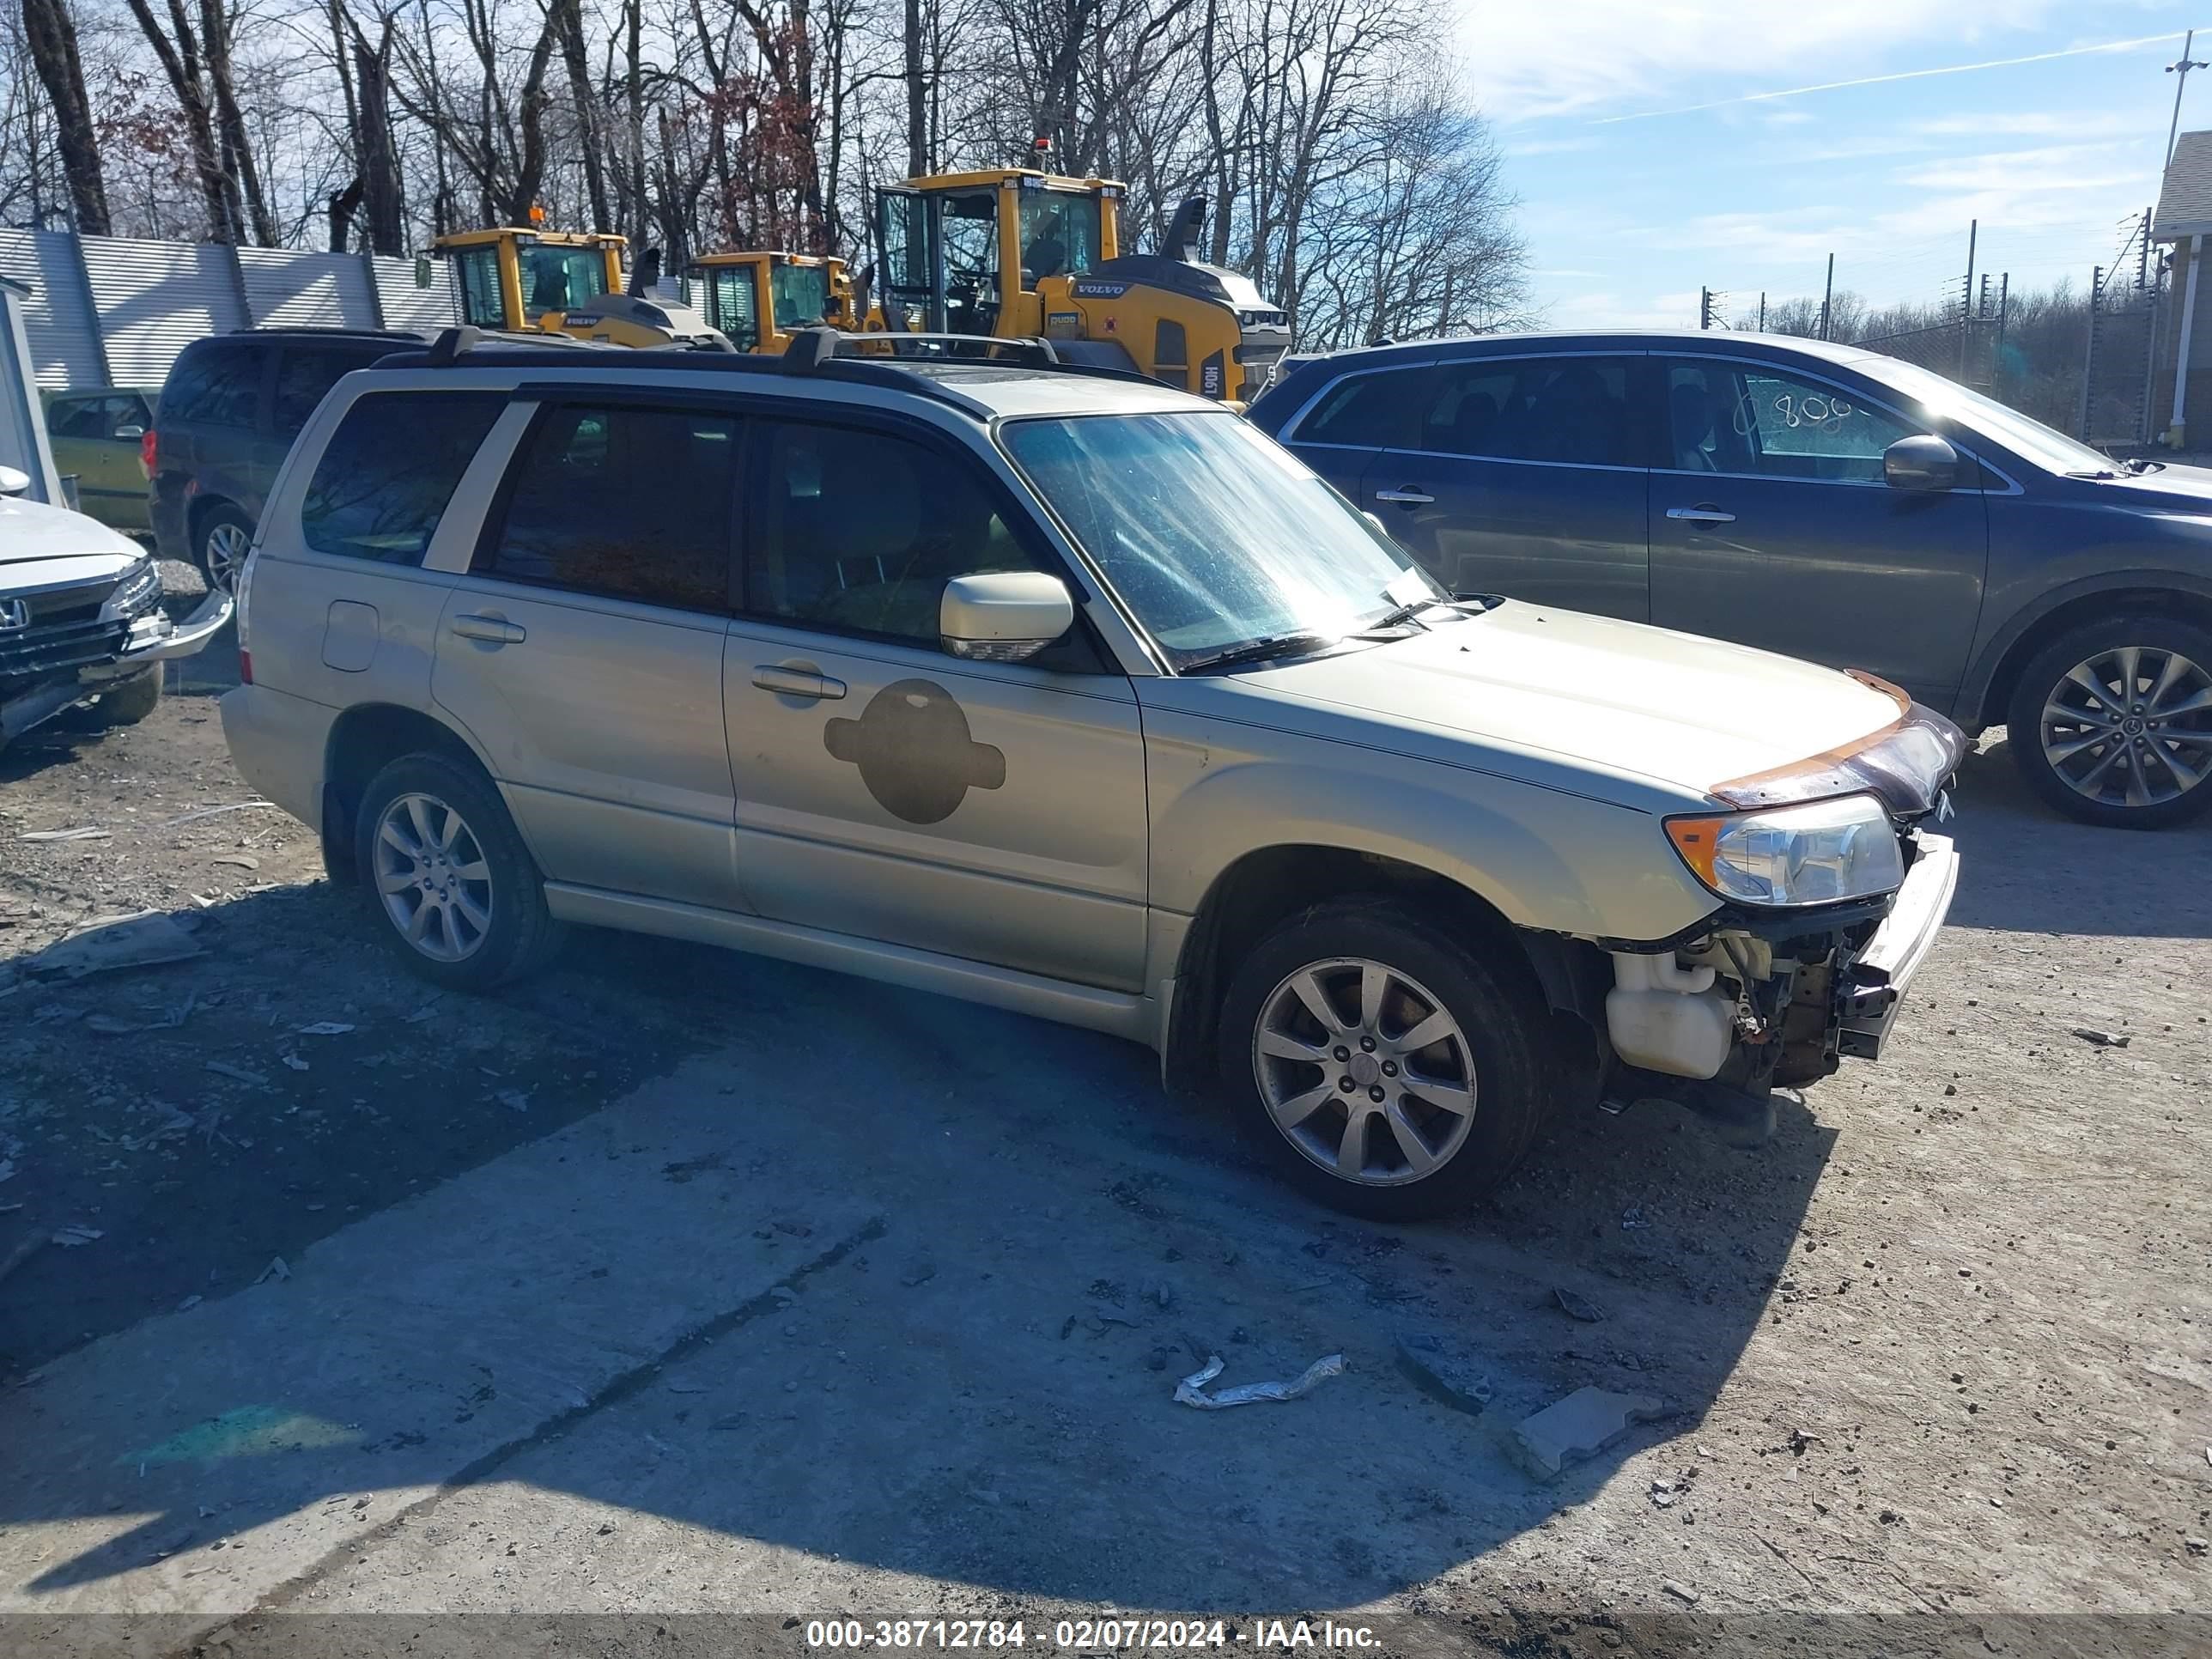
pixel 1001 1420
pixel 2029 869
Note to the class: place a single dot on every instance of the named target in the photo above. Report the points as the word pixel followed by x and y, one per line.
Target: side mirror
pixel 133 433
pixel 1002 615
pixel 1924 463
pixel 13 481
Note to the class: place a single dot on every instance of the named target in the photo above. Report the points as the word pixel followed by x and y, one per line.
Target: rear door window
pixel 627 502
pixel 385 478
pixel 304 374
pixel 1574 411
pixel 1368 411
pixel 216 385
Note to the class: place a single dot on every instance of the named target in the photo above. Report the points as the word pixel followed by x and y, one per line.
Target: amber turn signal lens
pixel 1697 840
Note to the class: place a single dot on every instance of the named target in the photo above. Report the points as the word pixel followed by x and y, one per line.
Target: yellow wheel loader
pixel 1016 254
pixel 757 301
pixel 555 281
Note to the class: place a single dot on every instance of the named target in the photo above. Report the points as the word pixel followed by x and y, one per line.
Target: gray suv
pixel 1819 499
pixel 227 416
pixel 1061 691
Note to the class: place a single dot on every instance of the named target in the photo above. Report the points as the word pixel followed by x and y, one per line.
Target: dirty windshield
pixel 801 293
pixel 1215 538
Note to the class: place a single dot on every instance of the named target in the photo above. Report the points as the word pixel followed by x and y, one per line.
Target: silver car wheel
pixel 2131 727
pixel 433 878
pixel 1363 1070
pixel 227 546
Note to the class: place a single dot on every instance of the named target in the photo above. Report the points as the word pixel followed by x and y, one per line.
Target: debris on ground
pixel 1191 1390
pixel 1444 1372
pixel 1662 1494
pixel 213 811
pixel 1681 1592
pixel 325 1027
pixel 86 834
pixel 243 861
pixel 1581 1425
pixel 2091 1035
pixel 515 1100
pixel 921 1273
pixel 276 1270
pixel 142 940
pixel 1575 1305
pixel 239 1073
pixel 76 1235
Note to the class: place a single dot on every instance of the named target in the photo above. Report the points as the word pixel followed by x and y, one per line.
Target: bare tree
pixel 50 33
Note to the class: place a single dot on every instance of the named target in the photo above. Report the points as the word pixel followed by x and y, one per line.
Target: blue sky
pixel 1631 199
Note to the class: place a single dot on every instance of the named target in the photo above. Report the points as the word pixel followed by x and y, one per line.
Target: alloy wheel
pixel 2131 727
pixel 433 878
pixel 227 546
pixel 1365 1071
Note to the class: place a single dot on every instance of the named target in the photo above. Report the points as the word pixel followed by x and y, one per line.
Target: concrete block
pixel 1581 1425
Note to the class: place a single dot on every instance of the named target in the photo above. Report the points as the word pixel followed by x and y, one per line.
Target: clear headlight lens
pixel 1819 853
pixel 139 590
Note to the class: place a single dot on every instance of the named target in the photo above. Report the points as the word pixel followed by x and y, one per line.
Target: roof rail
pixel 812 348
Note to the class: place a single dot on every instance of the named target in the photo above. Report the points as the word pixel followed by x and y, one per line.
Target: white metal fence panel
pixel 287 288
pixel 156 298
pixel 406 305
pixel 57 317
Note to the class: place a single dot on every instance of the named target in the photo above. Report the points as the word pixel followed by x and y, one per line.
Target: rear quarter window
pixel 388 470
pixel 215 385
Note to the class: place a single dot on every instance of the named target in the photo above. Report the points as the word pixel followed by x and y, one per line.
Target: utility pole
pixel 2089 357
pixel 1827 296
pixel 1966 297
pixel 2180 72
pixel 1704 307
pixel 1762 310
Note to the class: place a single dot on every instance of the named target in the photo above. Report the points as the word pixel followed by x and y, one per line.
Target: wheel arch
pixel 1989 689
pixel 362 741
pixel 1267 885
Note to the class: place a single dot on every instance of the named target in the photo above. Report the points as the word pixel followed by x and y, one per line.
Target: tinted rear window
pixel 389 470
pixel 215 385
pixel 304 374
pixel 1368 411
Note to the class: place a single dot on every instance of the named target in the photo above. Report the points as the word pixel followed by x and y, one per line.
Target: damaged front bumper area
pixel 1761 996
pixel 76 643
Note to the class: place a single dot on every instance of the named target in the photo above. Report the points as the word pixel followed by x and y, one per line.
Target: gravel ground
pixel 1940 1349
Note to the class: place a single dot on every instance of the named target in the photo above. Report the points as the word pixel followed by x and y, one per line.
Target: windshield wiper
pixel 1262 650
pixel 2100 473
pixel 2139 466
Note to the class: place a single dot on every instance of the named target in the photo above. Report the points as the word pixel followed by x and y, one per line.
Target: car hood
pixel 1617 698
pixel 2171 489
pixel 43 546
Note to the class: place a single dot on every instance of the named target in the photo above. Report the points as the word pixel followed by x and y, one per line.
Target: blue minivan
pixel 1821 501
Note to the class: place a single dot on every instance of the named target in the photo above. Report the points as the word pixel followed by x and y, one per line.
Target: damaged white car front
pixel 81 617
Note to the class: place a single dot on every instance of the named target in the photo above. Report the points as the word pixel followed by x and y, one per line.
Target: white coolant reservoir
pixel 1666 1017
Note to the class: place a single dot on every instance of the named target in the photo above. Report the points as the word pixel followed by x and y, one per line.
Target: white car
pixel 81 617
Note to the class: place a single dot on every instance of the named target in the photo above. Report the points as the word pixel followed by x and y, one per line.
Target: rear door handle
pixel 796 683
pixel 493 630
pixel 1409 496
pixel 1700 514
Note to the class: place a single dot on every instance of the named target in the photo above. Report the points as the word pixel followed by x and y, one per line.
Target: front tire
pixel 126 703
pixel 452 886
pixel 2112 721
pixel 1385 1071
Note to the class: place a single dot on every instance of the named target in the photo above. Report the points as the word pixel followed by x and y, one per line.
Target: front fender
pixel 1542 858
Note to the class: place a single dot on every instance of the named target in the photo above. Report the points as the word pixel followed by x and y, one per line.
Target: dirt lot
pixel 681 1283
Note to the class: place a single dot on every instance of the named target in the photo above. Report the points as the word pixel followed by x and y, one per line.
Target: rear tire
pixel 2133 757
pixel 220 539
pixel 447 878
pixel 1320 1045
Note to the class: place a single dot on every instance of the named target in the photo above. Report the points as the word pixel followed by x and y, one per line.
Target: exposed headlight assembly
pixel 139 590
pixel 1821 852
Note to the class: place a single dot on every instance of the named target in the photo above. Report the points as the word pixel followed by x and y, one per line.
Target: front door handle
pixel 492 630
pixel 1700 514
pixel 1409 496
pixel 796 683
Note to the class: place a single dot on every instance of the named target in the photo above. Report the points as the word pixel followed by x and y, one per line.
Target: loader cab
pixel 759 301
pixel 510 278
pixel 964 252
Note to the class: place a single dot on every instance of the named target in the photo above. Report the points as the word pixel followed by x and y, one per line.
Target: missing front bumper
pixel 1871 989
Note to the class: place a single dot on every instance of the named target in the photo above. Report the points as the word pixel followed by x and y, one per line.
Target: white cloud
pixel 1615 55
